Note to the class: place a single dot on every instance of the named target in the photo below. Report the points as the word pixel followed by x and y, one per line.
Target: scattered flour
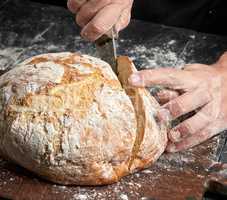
pixel 171 42
pixel 123 197
pixel 155 56
pixel 8 56
pixel 147 171
pixel 80 197
pixel 192 36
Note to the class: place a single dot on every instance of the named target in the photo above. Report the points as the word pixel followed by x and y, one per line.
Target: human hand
pixel 197 86
pixel 97 17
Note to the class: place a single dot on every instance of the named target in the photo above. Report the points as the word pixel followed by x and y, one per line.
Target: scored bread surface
pixel 67 118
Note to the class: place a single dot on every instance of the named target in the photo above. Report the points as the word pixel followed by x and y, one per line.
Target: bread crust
pixel 66 117
pixel 151 137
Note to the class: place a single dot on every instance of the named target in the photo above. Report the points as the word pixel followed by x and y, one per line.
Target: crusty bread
pixel 67 118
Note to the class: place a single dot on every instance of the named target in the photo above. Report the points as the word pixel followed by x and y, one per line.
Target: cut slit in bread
pixel 145 107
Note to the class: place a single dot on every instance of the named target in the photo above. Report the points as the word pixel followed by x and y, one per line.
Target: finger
pixel 190 67
pixel 199 137
pixel 89 10
pixel 75 5
pixel 164 96
pixel 191 126
pixel 102 22
pixel 163 116
pixel 124 19
pixel 167 77
pixel 188 102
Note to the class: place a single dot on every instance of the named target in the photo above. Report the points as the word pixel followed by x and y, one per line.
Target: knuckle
pixel 185 129
pixel 73 5
pixel 88 10
pixel 84 15
pixel 80 19
pixel 97 28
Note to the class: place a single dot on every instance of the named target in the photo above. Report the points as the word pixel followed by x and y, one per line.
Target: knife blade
pixel 106 45
pixel 106 49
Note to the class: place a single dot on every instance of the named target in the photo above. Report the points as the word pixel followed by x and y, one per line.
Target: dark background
pixel 201 15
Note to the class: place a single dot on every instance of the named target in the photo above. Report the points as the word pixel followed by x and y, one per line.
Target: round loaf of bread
pixel 69 119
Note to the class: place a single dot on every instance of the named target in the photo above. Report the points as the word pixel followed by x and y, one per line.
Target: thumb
pixel 124 19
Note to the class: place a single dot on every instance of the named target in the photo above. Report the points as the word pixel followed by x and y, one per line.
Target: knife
pixel 106 45
pixel 106 49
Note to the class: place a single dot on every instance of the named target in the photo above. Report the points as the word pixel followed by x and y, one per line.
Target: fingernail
pixel 135 79
pixel 164 115
pixel 175 135
pixel 171 148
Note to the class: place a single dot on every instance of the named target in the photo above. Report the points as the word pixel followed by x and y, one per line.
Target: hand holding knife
pixel 98 17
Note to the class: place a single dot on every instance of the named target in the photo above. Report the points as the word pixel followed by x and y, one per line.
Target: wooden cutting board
pixel 180 176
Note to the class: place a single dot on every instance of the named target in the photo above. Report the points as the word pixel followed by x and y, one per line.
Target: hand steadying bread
pixel 67 118
pixel 198 87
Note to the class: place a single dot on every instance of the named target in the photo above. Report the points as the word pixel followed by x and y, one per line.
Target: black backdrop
pixel 53 2
pixel 202 15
